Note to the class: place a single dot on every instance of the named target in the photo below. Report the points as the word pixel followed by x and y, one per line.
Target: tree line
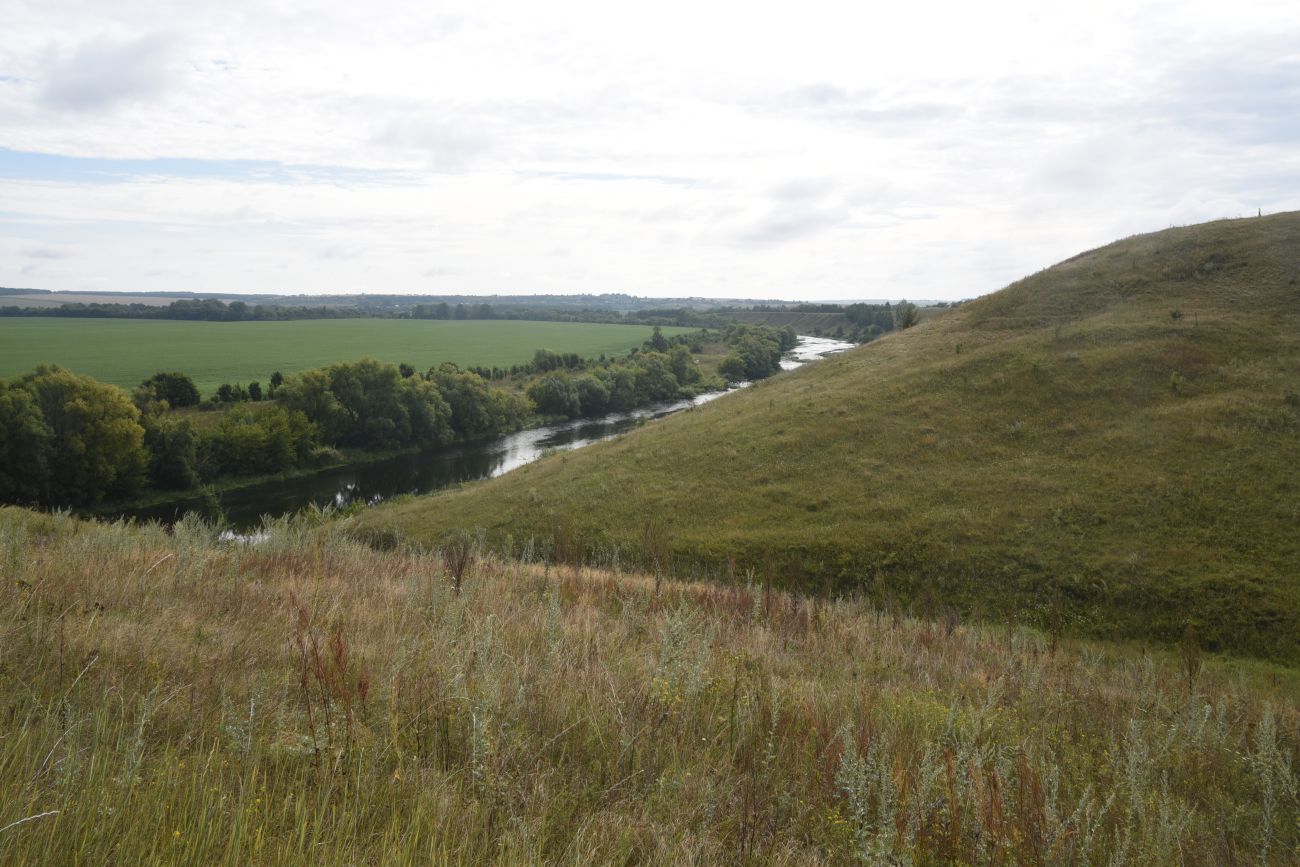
pixel 863 321
pixel 69 440
pixel 215 310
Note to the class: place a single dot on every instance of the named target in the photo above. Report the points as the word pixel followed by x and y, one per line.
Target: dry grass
pixel 308 700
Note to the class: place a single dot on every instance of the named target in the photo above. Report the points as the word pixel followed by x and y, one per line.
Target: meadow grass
pixel 125 352
pixel 1106 448
pixel 308 700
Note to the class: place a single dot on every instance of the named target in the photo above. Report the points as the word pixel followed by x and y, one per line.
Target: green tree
pixel 248 442
pixel 683 365
pixel 906 315
pixel 554 394
pixel 657 382
pixel 473 412
pixel 622 382
pixel 174 387
pixel 26 446
pixel 593 395
pixel 368 403
pixel 429 414
pixel 732 367
pixel 173 457
pixel 657 341
pixel 97 440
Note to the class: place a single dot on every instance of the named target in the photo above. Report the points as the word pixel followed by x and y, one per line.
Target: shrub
pixel 174 387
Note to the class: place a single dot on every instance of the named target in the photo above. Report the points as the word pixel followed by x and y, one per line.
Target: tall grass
pixel 172 698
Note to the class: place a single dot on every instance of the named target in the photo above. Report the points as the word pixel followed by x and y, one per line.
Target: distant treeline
pixel 860 322
pixel 214 310
pixel 67 439
pixel 206 310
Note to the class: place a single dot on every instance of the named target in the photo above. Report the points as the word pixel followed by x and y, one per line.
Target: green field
pixel 127 351
pixel 1107 447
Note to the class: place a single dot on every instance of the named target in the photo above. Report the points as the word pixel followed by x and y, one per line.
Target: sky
pixel 811 150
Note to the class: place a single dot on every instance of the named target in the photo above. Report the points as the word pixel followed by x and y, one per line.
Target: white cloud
pixel 102 73
pixel 43 253
pixel 818 150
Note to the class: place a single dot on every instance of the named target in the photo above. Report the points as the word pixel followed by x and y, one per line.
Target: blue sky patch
pixel 24 165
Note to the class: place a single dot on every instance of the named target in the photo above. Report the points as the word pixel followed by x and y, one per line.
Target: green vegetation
pixel 67 438
pixel 859 323
pixel 667 369
pixel 125 351
pixel 177 389
pixel 1064 452
pixel 756 351
pixel 71 441
pixel 171 699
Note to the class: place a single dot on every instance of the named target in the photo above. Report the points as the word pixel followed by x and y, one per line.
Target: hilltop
pixel 1108 447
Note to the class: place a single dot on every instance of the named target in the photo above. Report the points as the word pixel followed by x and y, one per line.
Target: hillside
pixel 1108 446
pixel 172 699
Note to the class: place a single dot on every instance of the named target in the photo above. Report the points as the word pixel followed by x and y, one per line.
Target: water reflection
pixel 811 349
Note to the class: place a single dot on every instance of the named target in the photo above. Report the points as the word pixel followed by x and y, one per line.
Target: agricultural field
pixel 127 351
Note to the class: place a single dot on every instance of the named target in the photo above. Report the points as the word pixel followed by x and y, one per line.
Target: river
pixel 424 472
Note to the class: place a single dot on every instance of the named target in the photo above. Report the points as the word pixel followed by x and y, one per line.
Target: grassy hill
pixel 1110 446
pixel 172 699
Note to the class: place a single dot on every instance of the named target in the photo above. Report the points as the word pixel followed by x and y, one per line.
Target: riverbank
pixel 155 498
pixel 371 477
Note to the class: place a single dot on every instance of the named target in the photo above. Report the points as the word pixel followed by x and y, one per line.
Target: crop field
pixel 127 351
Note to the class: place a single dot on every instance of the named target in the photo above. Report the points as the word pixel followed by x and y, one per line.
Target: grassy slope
pixel 127 351
pixel 171 699
pixel 1063 451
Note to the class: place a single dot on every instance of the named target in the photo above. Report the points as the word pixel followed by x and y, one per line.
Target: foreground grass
pixel 125 352
pixel 1105 448
pixel 169 698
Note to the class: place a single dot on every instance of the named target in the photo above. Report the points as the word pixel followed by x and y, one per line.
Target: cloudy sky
pixel 818 150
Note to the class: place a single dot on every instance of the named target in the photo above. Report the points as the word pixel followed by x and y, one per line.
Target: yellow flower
pixel 176 835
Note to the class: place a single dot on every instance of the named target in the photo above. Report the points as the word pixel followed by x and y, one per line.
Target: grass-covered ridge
pixel 1108 446
pixel 308 700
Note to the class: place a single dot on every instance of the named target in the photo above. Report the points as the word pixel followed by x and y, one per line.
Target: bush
pixel 173 453
pixel 554 394
pixel 906 315
pixel 176 388
pixel 246 442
